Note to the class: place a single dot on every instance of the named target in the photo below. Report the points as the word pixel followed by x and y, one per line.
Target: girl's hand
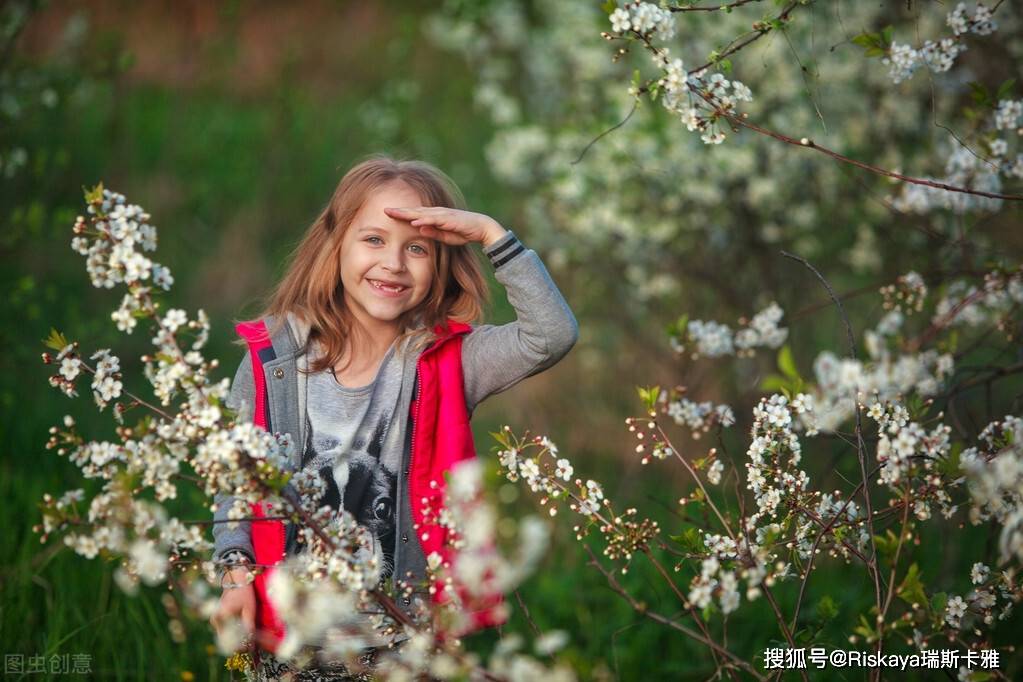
pixel 239 602
pixel 450 225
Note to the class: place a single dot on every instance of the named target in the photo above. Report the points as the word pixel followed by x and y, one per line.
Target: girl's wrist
pixel 493 235
pixel 237 577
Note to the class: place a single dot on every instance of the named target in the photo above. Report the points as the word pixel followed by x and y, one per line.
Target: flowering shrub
pixel 787 528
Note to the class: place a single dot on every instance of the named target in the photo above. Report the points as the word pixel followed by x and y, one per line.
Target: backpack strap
pixel 268 537
pixel 261 350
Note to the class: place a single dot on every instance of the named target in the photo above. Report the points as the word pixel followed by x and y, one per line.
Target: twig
pixel 663 620
pixel 635 105
pixel 895 563
pixel 760 33
pixel 525 611
pixel 810 144
pixel 715 8
pixel 860 446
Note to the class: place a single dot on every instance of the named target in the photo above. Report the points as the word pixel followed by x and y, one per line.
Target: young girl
pixel 367 355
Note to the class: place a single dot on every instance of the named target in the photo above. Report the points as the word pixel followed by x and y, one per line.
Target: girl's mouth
pixel 387 290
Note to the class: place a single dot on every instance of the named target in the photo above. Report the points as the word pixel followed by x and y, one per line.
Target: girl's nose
pixel 395 261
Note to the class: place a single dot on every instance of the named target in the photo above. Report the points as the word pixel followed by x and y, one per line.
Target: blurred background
pixel 231 124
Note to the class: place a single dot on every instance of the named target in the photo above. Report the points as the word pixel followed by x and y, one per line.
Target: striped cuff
pixel 504 249
pixel 232 559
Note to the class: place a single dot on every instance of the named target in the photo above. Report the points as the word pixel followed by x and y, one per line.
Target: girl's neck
pixel 363 346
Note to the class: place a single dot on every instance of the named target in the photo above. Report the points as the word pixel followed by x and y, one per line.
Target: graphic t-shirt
pixel 355 440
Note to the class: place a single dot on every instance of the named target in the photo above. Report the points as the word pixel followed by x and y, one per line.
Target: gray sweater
pixel 494 358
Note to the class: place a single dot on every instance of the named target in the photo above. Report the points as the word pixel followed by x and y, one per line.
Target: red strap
pixel 257 337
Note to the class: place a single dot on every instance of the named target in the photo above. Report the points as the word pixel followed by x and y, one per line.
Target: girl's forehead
pixel 393 191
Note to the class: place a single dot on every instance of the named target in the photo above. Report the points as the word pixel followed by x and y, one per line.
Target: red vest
pixel 441 437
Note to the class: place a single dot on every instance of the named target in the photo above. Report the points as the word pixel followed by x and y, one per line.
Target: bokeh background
pixel 232 122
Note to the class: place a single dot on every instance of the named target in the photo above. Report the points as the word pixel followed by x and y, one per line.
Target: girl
pixel 367 354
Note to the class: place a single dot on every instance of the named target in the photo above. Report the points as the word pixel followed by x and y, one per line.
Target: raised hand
pixel 450 225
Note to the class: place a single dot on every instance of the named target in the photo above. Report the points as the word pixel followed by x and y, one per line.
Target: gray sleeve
pixel 239 538
pixel 496 357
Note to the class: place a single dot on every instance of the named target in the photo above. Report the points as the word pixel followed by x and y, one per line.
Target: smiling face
pixel 386 265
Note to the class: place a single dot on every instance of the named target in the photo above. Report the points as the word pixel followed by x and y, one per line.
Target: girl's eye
pixel 421 249
pixel 371 237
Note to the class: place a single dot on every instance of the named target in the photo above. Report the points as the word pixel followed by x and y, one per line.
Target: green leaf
pixel 772 536
pixel 726 65
pixel 690 540
pixel 865 630
pixel 950 466
pixel 649 396
pixel 887 543
pixel 911 590
pixel 609 7
pixel 875 44
pixel 502 439
pixel 979 93
pixel 786 363
pixel 55 340
pixel 772 383
pixel 827 609
pixel 939 601
pixel 678 328
pixel 1005 88
pixel 804 636
pixel 94 194
pixel 865 40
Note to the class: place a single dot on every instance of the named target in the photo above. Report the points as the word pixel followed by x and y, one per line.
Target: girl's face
pixel 386 265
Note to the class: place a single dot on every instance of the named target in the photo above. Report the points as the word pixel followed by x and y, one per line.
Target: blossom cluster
pixel 992 303
pixel 713 339
pixel 911 459
pixel 906 295
pixel 697 417
pixel 993 597
pixel 966 168
pixel 550 475
pixel 939 56
pixel 994 471
pixel 773 472
pixel 696 98
pixel 122 233
pixel 841 380
pixel 645 18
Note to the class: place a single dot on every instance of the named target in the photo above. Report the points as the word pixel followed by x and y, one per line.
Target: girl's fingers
pixel 442 236
pixel 435 222
pixel 249 618
pixel 417 210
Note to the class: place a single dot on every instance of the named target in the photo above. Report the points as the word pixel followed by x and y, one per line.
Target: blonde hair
pixel 312 290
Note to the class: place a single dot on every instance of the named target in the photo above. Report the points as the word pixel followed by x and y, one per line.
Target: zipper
pixel 412 447
pixel 415 424
pixel 284 539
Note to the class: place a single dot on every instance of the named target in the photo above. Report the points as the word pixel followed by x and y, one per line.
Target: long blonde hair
pixel 312 290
